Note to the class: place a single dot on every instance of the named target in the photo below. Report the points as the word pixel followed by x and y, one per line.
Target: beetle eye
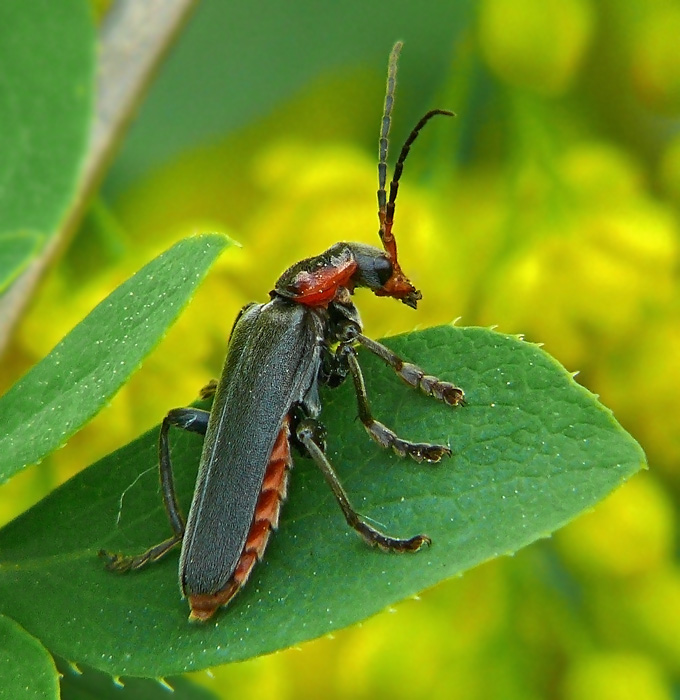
pixel 383 269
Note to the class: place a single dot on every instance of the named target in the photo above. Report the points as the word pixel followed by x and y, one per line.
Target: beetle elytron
pixel 267 398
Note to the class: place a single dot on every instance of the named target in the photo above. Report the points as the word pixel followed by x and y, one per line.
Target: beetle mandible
pixel 267 399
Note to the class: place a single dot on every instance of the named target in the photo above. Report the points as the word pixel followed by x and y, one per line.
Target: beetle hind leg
pixel 121 563
pixel 308 433
pixel 196 421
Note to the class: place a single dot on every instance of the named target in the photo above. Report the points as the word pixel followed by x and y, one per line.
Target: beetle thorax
pixel 320 280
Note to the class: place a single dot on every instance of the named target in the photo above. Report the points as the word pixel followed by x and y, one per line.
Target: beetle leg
pixel 413 375
pixel 208 391
pixel 307 432
pixel 334 369
pixel 121 563
pixel 194 420
pixel 380 433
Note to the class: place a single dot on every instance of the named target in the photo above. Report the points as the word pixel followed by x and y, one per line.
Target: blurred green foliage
pixel 549 208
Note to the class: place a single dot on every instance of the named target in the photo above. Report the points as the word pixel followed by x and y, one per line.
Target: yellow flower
pixel 617 676
pixel 537 44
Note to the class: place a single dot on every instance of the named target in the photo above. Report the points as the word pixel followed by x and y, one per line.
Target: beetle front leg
pixel 196 421
pixel 413 375
pixel 380 433
pixel 309 433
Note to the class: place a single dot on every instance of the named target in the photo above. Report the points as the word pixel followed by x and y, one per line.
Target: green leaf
pixel 28 670
pixel 531 450
pixel 47 52
pixel 85 683
pixel 66 389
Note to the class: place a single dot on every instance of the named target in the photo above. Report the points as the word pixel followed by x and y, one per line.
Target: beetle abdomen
pixel 265 519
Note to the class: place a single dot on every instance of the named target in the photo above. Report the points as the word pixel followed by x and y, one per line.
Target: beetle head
pixel 381 273
pixel 397 285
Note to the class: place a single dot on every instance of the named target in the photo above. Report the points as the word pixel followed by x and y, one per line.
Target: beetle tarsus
pixel 120 563
pixel 208 391
pixel 419 451
pixel 388 544
pixel 414 376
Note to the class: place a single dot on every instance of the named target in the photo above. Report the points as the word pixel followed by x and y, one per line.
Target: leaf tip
pixel 218 238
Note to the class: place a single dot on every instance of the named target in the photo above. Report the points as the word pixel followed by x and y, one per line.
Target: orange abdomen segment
pixel 265 519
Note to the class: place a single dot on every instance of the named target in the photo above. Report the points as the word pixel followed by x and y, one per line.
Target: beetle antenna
pixel 385 206
pixel 399 167
pixel 387 238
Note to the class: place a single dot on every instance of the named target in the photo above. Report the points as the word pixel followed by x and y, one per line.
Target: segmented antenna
pixel 399 166
pixel 388 241
pixel 385 206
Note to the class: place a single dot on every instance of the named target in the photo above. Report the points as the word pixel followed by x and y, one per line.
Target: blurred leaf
pixel 88 684
pixel 225 42
pixel 532 449
pixel 27 668
pixel 76 380
pixel 47 54
pixel 536 45
pixel 17 249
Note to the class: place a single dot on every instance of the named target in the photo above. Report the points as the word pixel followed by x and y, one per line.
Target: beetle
pixel 267 400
